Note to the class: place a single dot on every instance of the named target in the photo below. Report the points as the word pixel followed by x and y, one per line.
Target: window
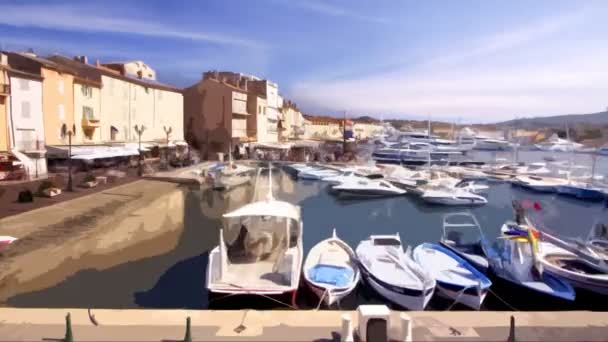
pixel 24 84
pixel 25 109
pixel 259 109
pixel 61 112
pixel 60 87
pixel 87 112
pixel 87 91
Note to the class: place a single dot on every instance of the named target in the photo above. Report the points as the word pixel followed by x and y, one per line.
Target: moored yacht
pixel 367 188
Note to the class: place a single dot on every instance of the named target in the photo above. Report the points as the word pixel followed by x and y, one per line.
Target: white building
pixel 26 123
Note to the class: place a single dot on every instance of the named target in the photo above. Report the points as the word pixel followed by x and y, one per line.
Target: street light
pixel 70 187
pixel 140 131
pixel 166 152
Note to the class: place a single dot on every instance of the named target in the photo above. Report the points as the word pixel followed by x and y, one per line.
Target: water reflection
pixel 177 279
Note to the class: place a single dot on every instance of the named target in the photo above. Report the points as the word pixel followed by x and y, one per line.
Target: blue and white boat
pixel 583 190
pixel 514 257
pixel 393 273
pixel 462 235
pixel 331 270
pixel 456 278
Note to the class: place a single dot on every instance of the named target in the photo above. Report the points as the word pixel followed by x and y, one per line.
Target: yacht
pixel 454 196
pixel 317 174
pixel 259 250
pixel 541 184
pixel 468 137
pixel 557 144
pixel 228 176
pixel 344 176
pixel 367 188
pixel 414 154
pixel 537 169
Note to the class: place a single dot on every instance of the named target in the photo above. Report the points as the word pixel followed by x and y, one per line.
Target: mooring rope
pixel 460 293
pixel 321 300
pixel 502 300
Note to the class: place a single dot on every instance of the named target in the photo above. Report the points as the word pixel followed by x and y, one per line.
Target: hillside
pixel 600 118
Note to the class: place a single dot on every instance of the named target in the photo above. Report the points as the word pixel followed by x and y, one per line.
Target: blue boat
pixel 456 278
pixel 583 191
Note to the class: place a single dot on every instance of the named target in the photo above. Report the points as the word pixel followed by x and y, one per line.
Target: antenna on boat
pixel 269 196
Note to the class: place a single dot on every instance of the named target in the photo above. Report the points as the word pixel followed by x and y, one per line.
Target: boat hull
pixel 472 297
pixel 354 193
pixel 582 193
pixel 406 298
pixel 330 297
pixel 453 201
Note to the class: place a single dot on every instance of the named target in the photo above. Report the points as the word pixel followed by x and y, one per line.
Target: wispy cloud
pixel 326 8
pixel 472 83
pixel 85 19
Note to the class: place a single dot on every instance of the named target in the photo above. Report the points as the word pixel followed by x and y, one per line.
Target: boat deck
pixel 259 275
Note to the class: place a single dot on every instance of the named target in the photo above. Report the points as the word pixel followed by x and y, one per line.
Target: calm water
pixel 177 279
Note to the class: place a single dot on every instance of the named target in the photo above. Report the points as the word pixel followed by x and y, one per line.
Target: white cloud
pixel 473 85
pixel 326 8
pixel 85 19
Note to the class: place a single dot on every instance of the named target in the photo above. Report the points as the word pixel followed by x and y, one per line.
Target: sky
pixel 462 61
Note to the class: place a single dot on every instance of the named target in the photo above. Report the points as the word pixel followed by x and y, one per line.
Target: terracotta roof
pixel 19 73
pixel 323 119
pixel 98 71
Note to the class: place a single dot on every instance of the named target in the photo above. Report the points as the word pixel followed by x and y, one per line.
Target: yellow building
pixel 323 128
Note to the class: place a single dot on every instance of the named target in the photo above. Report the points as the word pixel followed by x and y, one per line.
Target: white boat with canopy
pixel 260 249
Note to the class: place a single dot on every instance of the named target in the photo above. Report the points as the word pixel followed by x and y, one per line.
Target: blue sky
pixel 464 61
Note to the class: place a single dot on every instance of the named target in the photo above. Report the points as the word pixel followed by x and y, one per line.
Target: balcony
pixel 91 122
pixel 5 90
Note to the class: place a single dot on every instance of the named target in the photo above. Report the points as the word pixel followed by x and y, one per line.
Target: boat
pixel 344 176
pixel 456 278
pixel 540 184
pixel 367 188
pixel 259 250
pixel 230 175
pixel 316 174
pixel 331 270
pixel 462 235
pixel 582 190
pixel 514 257
pixel 393 273
pixel 468 137
pixel 535 169
pixel 6 240
pixel 570 267
pixel 452 196
pixel 603 151
pixel 466 173
pixel 557 144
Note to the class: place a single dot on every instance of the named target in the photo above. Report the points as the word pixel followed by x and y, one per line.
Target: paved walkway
pixel 252 325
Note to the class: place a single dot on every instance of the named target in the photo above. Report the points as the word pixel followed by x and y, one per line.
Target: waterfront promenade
pixel 169 325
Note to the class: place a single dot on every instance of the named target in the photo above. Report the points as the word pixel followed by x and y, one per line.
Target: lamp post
pixel 70 187
pixel 140 131
pixel 167 133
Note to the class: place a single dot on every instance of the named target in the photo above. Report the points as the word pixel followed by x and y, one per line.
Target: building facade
pixel 323 128
pixel 5 98
pixel 219 112
pixel 293 122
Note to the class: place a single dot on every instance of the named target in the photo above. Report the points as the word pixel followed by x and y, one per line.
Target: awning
pixel 273 113
pixel 274 146
pixel 94 152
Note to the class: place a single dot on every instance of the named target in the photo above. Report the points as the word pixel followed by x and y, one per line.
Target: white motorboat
pixel 466 173
pixel 367 188
pixel 468 137
pixel 259 251
pixel 462 234
pixel 317 174
pixel 557 144
pixel 331 270
pixel 452 196
pixel 535 169
pixel 231 175
pixel 456 278
pixel 393 273
pixel 541 184
pixel 344 176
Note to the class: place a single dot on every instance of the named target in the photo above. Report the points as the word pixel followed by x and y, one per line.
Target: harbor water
pixel 176 279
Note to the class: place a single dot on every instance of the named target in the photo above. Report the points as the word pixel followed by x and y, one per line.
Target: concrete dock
pixel 253 325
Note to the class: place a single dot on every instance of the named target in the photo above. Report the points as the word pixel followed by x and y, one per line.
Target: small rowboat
pixel 456 278
pixel 331 270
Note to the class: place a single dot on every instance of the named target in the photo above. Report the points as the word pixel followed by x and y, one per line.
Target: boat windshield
pixel 386 242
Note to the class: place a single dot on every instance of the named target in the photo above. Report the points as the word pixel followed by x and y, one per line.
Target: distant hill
pixel 558 121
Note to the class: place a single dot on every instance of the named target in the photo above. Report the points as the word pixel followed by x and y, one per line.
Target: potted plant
pixel 89 181
pixel 48 189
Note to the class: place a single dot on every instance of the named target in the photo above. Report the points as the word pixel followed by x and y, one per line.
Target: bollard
pixel 68 329
pixel 406 327
pixel 346 335
pixel 511 337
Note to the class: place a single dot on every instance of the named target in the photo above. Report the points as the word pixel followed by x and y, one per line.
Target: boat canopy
pixel 267 208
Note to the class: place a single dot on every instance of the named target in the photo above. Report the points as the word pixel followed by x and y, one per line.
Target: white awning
pixel 267 208
pixel 273 113
pixel 275 146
